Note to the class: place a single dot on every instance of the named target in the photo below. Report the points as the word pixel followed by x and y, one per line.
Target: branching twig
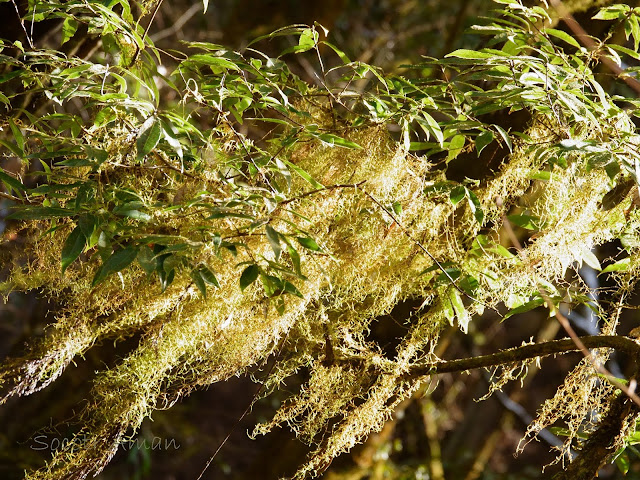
pixel 24 29
pixel 416 242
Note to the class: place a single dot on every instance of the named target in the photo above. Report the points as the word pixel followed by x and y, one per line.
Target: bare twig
pixel 29 39
pixel 416 242
pixel 249 406
pixel 178 24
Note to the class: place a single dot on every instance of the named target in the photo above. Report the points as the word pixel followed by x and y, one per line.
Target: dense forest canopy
pixel 290 213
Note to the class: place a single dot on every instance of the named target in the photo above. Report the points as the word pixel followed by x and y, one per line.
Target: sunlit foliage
pixel 255 216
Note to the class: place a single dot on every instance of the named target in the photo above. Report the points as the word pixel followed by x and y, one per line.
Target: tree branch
pixel 525 352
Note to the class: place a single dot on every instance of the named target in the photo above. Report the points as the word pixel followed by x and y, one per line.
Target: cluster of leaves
pixel 121 224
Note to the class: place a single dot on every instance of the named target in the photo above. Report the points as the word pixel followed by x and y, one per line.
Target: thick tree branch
pixel 526 352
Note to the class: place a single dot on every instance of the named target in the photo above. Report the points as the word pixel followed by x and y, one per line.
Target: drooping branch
pixel 525 352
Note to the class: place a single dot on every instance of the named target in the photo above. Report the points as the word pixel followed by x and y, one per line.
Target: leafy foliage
pixel 257 214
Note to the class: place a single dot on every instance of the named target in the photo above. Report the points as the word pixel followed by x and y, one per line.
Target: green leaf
pixel 447 307
pixel 13 148
pixel 147 260
pixel 457 194
pixel 470 54
pixel 249 275
pixel 619 266
pixel 166 278
pixel 148 137
pixel 612 13
pixel 628 51
pixel 295 260
pixel 171 139
pixel 212 61
pixel 623 463
pixel 505 137
pixel 431 127
pixel 5 77
pixel 133 213
pixel 208 276
pixel 284 31
pixel 564 36
pixel 308 243
pixel 291 289
pixel 118 261
pixel 274 241
pixel 456 144
pixel 314 183
pixel 340 53
pixel 458 307
pixel 543 175
pixel 18 137
pixel 199 281
pixel 474 205
pixel 272 285
pixel 590 259
pixel 634 30
pixel 308 39
pixel 88 224
pixel 617 194
pixel 529 222
pixel 72 247
pixel 334 140
pixel 12 183
pixel 530 305
pixel 69 27
pixel 482 140
pixel 39 213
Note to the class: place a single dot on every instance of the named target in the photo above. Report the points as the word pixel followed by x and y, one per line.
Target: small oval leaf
pixel 72 247
pixel 249 275
pixel 148 139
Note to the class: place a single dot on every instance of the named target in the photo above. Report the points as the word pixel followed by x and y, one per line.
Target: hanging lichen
pixel 222 249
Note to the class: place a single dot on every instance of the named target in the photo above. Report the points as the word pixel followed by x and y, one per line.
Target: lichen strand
pixel 578 403
pixel 369 264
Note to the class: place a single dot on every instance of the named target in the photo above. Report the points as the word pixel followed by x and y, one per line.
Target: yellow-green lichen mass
pixel 371 258
pixel 232 250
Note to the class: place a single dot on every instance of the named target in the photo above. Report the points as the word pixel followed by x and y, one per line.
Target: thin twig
pixel 419 244
pixel 246 410
pixel 178 24
pixel 134 58
pixel 24 29
pixel 323 189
